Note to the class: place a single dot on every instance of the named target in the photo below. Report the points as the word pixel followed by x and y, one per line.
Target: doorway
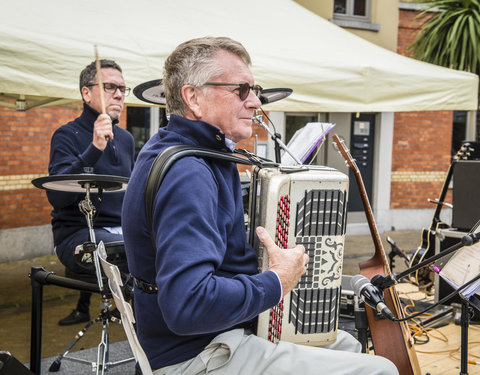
pixel 362 136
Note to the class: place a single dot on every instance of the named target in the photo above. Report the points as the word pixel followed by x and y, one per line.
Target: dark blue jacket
pixel 205 271
pixel 71 150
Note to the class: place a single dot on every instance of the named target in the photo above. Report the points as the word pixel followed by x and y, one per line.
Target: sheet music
pixel 463 266
pixel 305 140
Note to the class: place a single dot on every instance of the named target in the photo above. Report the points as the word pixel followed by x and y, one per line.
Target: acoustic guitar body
pixel 390 339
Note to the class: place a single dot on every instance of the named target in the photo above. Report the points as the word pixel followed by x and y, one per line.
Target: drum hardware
pixel 88 210
pixel 77 183
pixel 86 183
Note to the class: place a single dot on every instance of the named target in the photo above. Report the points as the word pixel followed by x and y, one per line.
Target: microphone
pixel 372 296
pixel 470 239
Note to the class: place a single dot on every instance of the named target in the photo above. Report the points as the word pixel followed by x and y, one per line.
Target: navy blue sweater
pixel 71 150
pixel 205 271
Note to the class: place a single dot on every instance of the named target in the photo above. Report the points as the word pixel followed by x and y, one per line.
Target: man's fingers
pixel 265 237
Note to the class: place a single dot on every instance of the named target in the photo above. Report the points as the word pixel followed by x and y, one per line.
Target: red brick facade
pixel 25 144
pixel 421 142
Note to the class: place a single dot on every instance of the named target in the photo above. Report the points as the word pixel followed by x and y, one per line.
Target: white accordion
pixel 308 206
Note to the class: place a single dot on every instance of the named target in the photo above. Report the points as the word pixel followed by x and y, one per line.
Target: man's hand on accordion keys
pixel 288 265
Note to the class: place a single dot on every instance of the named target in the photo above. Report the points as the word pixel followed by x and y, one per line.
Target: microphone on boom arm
pixel 372 296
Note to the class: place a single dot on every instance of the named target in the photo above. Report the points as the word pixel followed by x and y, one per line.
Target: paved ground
pixel 15 299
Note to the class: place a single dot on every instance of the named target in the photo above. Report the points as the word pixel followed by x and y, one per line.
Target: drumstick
pixel 100 84
pixel 99 77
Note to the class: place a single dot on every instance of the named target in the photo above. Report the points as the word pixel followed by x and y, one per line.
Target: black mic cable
pixel 442 301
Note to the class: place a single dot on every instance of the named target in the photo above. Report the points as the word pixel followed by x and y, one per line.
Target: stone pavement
pixel 15 299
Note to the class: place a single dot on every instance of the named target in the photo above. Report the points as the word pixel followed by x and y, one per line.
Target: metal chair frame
pixel 115 283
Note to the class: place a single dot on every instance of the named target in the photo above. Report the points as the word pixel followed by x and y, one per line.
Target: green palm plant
pixel 449 35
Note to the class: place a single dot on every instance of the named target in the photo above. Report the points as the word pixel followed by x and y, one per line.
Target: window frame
pixel 349 16
pixel 355 22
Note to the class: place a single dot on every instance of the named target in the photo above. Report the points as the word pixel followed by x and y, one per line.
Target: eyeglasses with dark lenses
pixel 243 88
pixel 111 88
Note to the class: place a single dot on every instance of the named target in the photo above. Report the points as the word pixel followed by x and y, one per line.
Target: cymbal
pixel 152 92
pixel 77 183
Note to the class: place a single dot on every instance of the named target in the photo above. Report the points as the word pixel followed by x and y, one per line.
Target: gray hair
pixel 88 75
pixel 193 63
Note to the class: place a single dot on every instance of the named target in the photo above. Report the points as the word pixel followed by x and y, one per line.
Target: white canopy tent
pixel 45 44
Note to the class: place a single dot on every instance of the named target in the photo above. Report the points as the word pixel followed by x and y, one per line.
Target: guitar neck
pixel 377 241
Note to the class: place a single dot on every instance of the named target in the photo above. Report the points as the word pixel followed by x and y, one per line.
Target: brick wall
pixel 421 143
pixel 25 144
pixel 421 157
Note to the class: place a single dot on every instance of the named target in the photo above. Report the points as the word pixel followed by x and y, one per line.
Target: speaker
pixel 9 365
pixel 466 194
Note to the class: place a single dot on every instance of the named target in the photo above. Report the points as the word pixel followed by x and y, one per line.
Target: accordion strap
pixel 170 155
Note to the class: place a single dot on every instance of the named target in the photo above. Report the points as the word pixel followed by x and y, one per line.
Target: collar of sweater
pixel 89 116
pixel 198 132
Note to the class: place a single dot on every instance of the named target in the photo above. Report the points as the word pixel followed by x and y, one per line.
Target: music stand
pixel 88 183
pixel 306 140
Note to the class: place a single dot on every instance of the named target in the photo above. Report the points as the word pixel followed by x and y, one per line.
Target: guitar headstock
pixel 341 147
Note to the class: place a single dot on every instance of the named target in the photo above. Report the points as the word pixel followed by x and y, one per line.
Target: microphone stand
pixel 258 119
pixel 383 282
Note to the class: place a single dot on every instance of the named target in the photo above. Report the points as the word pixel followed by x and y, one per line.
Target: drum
pixel 115 254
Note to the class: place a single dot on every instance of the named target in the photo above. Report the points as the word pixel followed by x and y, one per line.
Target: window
pixel 354 14
pixel 352 9
pixel 138 123
pixel 143 122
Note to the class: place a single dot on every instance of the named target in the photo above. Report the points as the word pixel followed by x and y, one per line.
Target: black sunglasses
pixel 243 88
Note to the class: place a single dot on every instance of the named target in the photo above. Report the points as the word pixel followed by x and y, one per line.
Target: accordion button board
pixel 308 207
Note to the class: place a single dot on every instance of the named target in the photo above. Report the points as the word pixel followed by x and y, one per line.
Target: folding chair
pixel 115 283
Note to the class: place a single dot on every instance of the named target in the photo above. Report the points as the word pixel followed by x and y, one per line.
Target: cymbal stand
pixel 88 209
pixel 101 365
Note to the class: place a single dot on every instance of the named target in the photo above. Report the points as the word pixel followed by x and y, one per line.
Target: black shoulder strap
pixel 170 155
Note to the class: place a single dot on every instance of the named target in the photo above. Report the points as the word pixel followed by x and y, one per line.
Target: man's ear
pixel 191 99
pixel 86 94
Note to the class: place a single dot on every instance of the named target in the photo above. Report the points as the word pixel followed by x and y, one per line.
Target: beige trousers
pixel 238 352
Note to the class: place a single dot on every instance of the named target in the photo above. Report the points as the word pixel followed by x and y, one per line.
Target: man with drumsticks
pixel 92 143
pixel 197 286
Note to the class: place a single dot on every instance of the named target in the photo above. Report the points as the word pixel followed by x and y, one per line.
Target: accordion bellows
pixel 305 206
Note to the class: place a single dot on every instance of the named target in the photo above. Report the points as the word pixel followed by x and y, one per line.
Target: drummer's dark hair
pixel 88 75
pixel 193 63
